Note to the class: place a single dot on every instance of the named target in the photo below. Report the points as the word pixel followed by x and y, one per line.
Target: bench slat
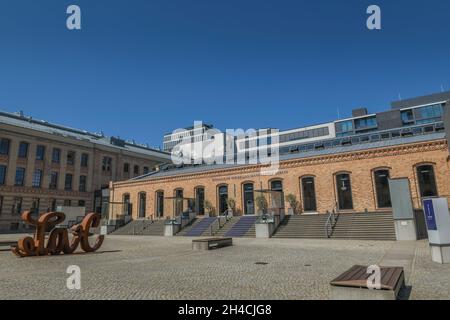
pixel 357 276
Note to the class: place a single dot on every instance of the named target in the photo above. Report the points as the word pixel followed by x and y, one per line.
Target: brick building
pixel 43 165
pixel 347 171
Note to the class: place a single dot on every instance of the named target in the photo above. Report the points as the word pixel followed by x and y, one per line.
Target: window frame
pixel 56 151
pixel 22 152
pixel 5 145
pixel 66 186
pixel 54 186
pixel 82 185
pixel 337 190
pixel 37 178
pixel 435 186
pixel 5 173
pixel 375 187
pixel 84 161
pixel 40 148
pixel 22 182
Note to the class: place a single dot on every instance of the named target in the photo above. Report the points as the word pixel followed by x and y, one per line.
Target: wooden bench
pixel 352 284
pixel 211 243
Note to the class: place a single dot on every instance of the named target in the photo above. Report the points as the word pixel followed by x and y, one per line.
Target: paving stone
pixel 137 267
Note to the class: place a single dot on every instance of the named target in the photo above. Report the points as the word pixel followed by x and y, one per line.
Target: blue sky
pixel 141 68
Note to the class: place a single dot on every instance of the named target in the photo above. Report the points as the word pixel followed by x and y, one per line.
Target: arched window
pixel 344 191
pixel 200 200
pixel 309 194
pixel 178 205
pixel 159 204
pixel 223 197
pixel 427 181
pixel 382 191
pixel 249 198
pixel 277 198
pixel 126 204
pixel 142 204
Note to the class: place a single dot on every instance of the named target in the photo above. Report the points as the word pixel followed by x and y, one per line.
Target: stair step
pixel 377 226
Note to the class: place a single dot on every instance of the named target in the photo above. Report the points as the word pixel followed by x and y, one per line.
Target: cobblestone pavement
pixel 166 268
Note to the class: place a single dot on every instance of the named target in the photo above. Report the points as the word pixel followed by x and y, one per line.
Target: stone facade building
pixel 44 165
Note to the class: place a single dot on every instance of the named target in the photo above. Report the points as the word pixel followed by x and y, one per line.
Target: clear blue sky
pixel 141 68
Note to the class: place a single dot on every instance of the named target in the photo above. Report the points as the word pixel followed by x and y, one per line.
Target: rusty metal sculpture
pixel 58 240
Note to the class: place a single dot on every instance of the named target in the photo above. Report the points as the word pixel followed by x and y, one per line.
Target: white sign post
pixel 437 218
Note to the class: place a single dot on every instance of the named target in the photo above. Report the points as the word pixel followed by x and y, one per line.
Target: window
pixel 67 202
pixel 106 164
pixel 37 178
pixel 127 205
pixel 249 198
pixel 277 197
pixel 56 155
pixel 223 197
pixel 4 146
pixel 68 181
pixel 84 160
pixel 35 205
pixel 309 194
pixel 304 134
pixel 53 180
pixel 136 170
pixel 126 167
pixel 71 158
pixel 407 117
pixel 344 191
pixel 23 150
pixel 145 170
pixel 382 188
pixel 428 114
pixel 344 128
pixel 52 205
pixel 40 152
pixel 200 200
pixel 17 206
pixel 178 202
pixel 160 204
pixel 81 203
pixel 2 175
pixel 142 204
pixel 20 177
pixel 364 123
pixel 427 181
pixel 82 186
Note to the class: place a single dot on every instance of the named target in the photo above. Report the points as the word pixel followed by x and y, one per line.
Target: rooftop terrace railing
pixel 357 139
pixel 368 137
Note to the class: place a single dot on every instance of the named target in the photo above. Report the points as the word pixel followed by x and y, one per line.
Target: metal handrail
pixel 331 222
pixel 219 225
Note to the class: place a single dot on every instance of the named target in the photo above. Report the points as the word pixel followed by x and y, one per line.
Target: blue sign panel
pixel 429 215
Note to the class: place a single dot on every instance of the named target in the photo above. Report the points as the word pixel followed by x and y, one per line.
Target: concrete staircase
pixel 243 227
pixel 302 226
pixel 142 228
pixel 363 226
pixel 199 227
pixel 221 232
pixel 231 225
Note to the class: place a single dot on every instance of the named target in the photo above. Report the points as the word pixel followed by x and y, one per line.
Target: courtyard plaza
pixel 138 267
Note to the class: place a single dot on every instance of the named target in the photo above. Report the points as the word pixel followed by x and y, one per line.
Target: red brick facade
pixel 401 161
